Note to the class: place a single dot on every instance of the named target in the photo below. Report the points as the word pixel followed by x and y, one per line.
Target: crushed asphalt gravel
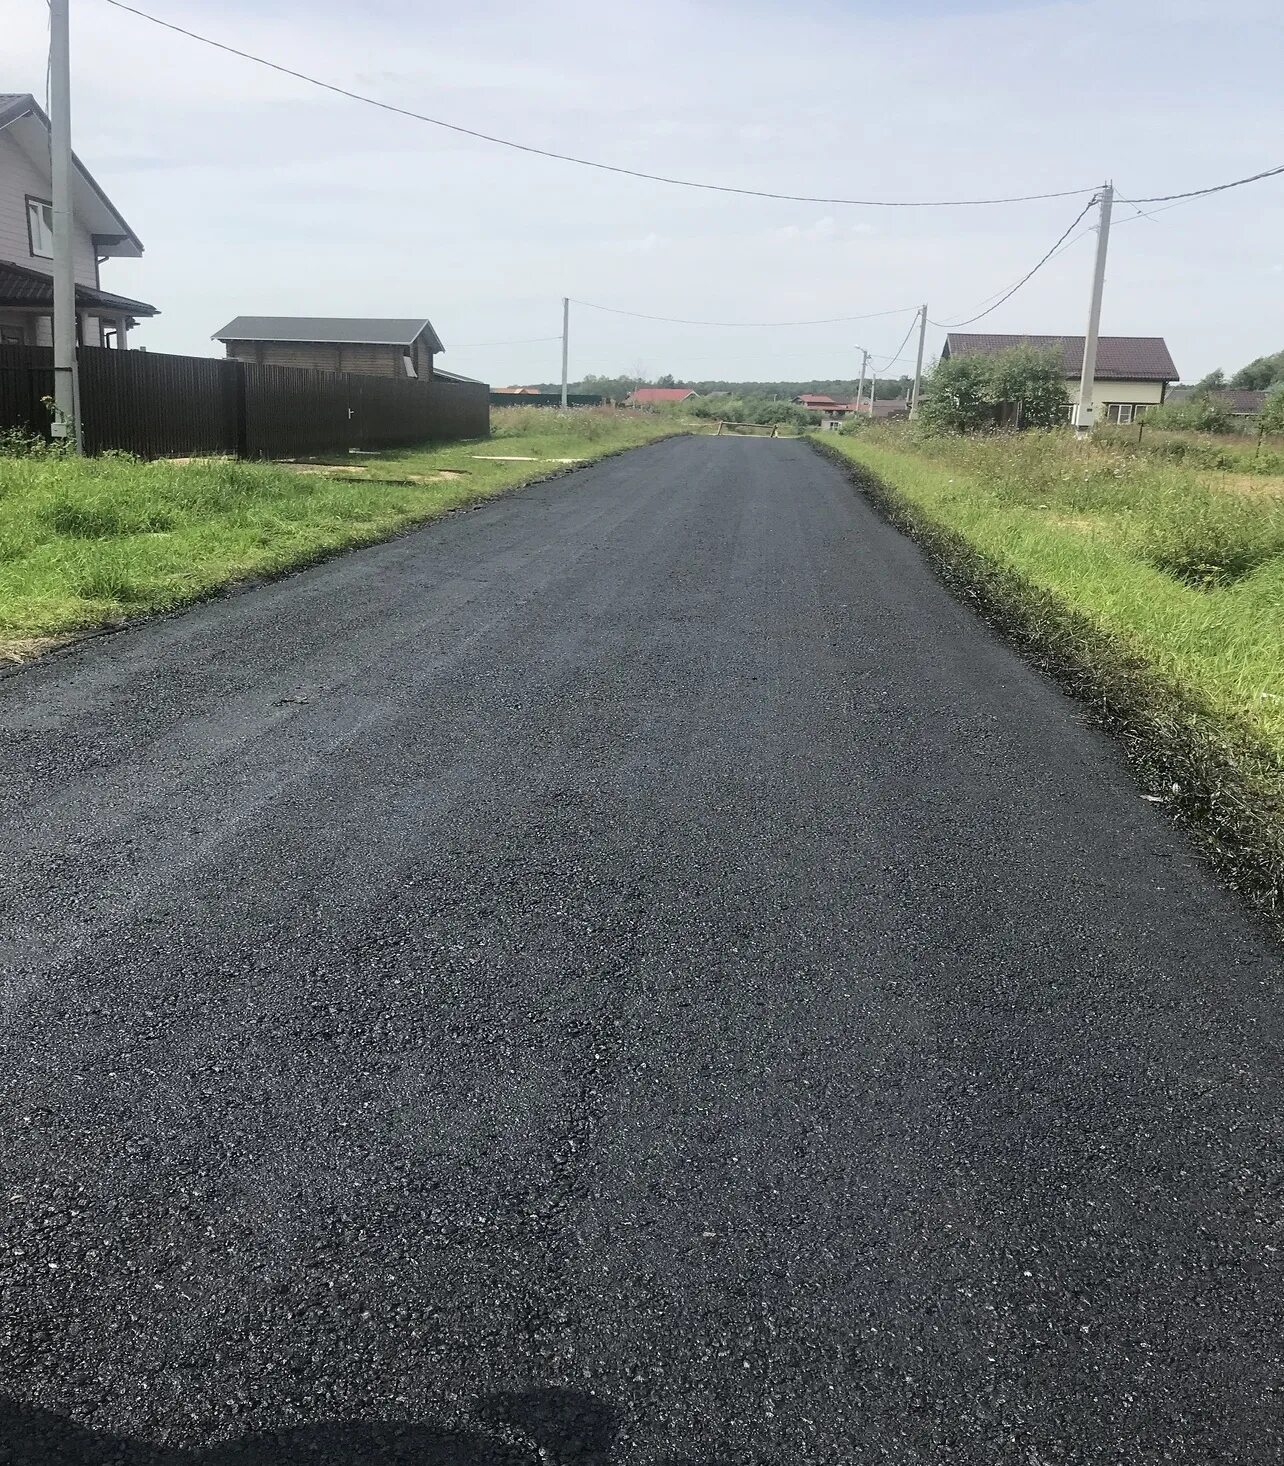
pixel 633 974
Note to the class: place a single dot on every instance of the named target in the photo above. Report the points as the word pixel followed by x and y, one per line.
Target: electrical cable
pixel 1199 193
pixel 749 325
pixel 798 198
pixel 1008 294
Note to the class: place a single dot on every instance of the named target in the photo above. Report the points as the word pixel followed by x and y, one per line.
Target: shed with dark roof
pixel 379 346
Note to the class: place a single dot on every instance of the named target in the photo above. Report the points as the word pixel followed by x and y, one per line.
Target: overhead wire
pixel 1029 275
pixel 748 325
pixel 508 142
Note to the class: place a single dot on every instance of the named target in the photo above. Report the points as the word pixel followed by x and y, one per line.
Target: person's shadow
pixel 561 1427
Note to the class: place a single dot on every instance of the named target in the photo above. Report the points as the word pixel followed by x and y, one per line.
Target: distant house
pixel 1133 372
pixel 886 407
pixel 818 402
pixel 519 391
pixel 368 346
pixel 654 396
pixel 26 240
pixel 1238 401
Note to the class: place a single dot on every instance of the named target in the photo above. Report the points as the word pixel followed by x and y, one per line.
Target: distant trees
pixel 1260 374
pixel 966 394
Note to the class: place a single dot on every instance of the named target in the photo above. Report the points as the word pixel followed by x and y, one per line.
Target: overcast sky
pixel 254 193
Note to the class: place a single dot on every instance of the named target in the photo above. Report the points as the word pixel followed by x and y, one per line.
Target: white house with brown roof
pixel 26 239
pixel 1133 372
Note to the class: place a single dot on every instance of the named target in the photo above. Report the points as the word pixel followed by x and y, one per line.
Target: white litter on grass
pixel 522 458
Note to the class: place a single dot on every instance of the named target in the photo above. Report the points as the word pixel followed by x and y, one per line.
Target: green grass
pixel 1152 588
pixel 87 542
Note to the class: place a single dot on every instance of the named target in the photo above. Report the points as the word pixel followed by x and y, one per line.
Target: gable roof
pixel 660 394
pixel 1136 358
pixel 27 124
pixel 816 399
pixel 1233 399
pixel 347 330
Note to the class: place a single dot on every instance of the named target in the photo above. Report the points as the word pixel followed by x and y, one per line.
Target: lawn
pixel 86 543
pixel 1154 588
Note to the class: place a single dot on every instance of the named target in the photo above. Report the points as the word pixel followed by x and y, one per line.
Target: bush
pixel 1198 414
pixel 965 394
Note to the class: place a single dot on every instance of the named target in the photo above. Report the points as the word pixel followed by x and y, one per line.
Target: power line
pixel 527 341
pixel 1199 193
pixel 797 198
pixel 752 325
pixel 892 360
pixel 1008 294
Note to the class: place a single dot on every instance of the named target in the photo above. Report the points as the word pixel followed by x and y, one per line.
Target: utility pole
pixel 918 365
pixel 66 383
pixel 864 363
pixel 1087 382
pixel 566 340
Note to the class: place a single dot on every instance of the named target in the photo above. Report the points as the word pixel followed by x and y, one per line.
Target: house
pixel 1133 372
pixel 884 407
pixel 1238 401
pixel 655 396
pixel 26 240
pixel 818 402
pixel 368 346
pixel 518 391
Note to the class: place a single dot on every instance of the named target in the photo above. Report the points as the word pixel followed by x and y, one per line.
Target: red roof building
pixel 653 396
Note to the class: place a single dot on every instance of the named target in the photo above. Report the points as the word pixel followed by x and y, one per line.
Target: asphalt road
pixel 633 972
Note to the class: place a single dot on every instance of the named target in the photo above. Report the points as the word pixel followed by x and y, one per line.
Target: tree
pixel 1213 382
pixel 1272 417
pixel 1260 374
pixel 965 393
pixel 956 395
pixel 1033 381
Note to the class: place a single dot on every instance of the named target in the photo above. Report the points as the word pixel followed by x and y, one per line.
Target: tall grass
pixel 85 542
pixel 1163 587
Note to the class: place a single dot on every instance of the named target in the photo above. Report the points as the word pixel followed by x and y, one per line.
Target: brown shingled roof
pixel 1138 358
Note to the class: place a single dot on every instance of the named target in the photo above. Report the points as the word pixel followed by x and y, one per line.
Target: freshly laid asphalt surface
pixel 630 974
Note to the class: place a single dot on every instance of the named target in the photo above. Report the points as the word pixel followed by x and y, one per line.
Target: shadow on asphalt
pixel 567 1428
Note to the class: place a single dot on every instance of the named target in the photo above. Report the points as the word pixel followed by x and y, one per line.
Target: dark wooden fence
pixel 185 406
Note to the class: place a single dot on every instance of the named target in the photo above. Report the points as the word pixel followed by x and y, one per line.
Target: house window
pixel 40 228
pixel 1121 412
pixel 409 365
pixel 12 336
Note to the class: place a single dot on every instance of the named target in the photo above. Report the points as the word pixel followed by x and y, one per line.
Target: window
pixel 12 336
pixel 40 227
pixel 1121 412
pixel 409 365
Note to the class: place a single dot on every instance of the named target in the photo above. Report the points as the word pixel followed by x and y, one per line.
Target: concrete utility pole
pixel 918 365
pixel 864 364
pixel 1087 382
pixel 66 379
pixel 566 340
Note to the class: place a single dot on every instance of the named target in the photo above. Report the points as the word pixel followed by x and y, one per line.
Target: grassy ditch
pixel 1153 591
pixel 86 543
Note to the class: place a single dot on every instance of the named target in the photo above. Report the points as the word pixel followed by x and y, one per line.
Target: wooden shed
pixel 370 346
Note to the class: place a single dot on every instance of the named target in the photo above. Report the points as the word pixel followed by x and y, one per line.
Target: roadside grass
pixel 87 543
pixel 1242 452
pixel 1145 586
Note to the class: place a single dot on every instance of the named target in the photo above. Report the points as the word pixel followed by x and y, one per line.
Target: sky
pixel 254 193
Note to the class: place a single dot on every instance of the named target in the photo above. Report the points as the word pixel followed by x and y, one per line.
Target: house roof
pixel 347 330
pixel 660 394
pixel 1135 358
pixel 22 286
pixel 816 399
pixel 25 121
pixel 1233 399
